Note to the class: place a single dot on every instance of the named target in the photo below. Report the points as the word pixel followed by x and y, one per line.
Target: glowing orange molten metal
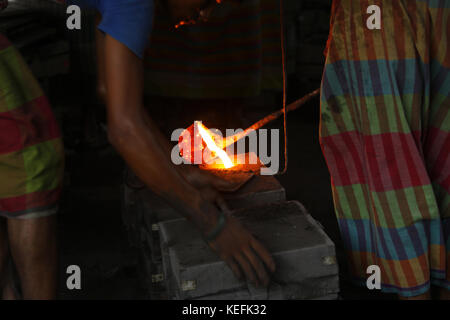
pixel 208 139
pixel 184 23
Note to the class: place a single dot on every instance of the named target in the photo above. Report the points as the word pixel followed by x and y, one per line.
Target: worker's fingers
pixel 207 179
pixel 247 268
pixel 222 184
pixel 257 266
pixel 209 194
pixel 263 254
pixel 234 267
pixel 231 186
pixel 218 182
pixel 221 203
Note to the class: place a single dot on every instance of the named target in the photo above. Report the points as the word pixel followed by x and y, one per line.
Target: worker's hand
pixel 243 253
pixel 202 179
pixel 235 245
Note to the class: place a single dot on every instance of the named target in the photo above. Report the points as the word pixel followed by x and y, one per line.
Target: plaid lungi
pixel 385 125
pixel 31 150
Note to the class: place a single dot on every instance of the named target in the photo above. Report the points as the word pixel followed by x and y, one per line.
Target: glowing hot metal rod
pixel 212 144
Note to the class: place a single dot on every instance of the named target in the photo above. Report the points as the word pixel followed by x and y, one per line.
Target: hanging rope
pixel 283 58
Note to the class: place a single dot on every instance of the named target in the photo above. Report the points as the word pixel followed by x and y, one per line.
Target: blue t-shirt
pixel 128 21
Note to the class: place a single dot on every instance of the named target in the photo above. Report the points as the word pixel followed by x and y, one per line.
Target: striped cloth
pixel 31 151
pixel 385 125
pixel 236 54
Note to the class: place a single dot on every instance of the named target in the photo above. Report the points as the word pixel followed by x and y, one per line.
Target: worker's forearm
pixel 137 139
pixel 185 170
pixel 139 146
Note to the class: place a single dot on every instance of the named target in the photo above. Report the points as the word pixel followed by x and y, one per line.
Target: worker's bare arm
pixel 138 140
pixel 134 137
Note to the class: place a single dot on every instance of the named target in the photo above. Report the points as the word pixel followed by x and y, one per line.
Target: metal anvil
pixel 303 253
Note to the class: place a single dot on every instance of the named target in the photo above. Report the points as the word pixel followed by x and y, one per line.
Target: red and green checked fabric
pixel 31 151
pixel 385 125
pixel 236 54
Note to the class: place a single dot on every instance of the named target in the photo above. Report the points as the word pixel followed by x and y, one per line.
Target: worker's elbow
pixel 125 126
pixel 119 133
pixel 113 136
pixel 101 93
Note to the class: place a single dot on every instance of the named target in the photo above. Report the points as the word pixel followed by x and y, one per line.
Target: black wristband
pixel 213 234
